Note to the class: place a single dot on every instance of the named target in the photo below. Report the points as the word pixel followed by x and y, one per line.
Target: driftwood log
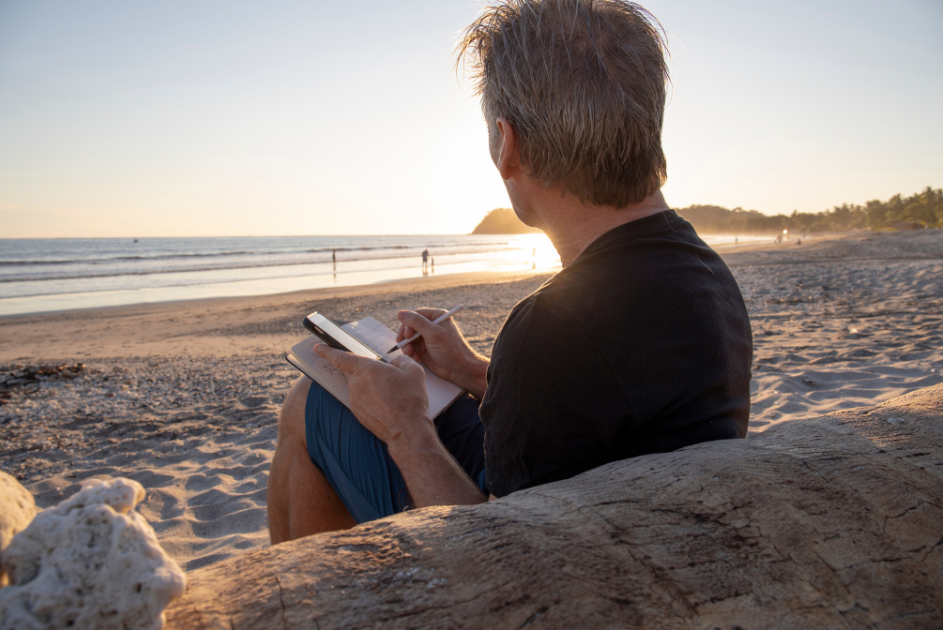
pixel 827 522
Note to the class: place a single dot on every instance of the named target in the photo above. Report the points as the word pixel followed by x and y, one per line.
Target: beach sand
pixel 184 397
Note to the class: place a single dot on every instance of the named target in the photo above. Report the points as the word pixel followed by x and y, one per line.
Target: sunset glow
pixel 337 118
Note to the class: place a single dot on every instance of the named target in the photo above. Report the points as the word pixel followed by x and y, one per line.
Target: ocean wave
pixel 42 291
pixel 105 259
pixel 193 255
pixel 185 256
pixel 12 263
pixel 273 252
pixel 112 273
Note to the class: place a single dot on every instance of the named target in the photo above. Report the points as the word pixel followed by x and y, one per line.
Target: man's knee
pixel 292 418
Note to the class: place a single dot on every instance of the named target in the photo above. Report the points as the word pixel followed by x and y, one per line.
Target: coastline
pixel 192 327
pixel 184 396
pixel 84 273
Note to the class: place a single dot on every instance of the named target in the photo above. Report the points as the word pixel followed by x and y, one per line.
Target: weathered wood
pixel 827 522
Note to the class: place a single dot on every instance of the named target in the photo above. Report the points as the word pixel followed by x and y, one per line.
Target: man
pixel 641 344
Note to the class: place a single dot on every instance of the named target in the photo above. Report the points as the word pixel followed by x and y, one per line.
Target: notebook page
pixel 441 393
pixel 323 372
pixel 379 338
pixel 374 335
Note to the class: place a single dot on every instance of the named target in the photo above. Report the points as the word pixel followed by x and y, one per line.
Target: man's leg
pixel 354 480
pixel 300 500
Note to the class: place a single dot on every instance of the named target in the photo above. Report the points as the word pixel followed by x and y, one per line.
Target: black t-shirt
pixel 641 345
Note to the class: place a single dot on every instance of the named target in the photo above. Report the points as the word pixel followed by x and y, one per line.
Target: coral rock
pixel 17 509
pixel 90 562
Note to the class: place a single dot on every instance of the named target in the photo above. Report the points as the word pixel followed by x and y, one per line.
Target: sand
pixel 184 397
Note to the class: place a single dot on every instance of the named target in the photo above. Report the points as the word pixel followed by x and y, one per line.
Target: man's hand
pixel 389 399
pixel 443 349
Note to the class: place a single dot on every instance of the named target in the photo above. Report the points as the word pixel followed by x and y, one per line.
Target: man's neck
pixel 572 226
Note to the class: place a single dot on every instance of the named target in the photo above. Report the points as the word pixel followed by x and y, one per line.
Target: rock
pixel 17 509
pixel 502 221
pixel 833 522
pixel 91 562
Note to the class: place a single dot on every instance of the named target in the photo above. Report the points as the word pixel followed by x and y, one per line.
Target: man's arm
pixel 390 400
pixel 432 475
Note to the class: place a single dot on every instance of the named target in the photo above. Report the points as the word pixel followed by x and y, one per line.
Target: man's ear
pixel 505 149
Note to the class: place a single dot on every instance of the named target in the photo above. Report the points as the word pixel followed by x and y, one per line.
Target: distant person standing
pixel 425 259
pixel 334 258
pixel 432 265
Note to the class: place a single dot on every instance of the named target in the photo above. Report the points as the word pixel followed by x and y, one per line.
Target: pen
pixel 437 321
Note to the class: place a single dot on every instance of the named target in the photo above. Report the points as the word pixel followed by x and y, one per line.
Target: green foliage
pixel 922 209
pixel 502 221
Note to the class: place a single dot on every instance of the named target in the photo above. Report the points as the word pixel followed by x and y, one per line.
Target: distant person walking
pixel 425 258
pixel 334 258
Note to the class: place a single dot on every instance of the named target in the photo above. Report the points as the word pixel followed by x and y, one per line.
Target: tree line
pixel 921 210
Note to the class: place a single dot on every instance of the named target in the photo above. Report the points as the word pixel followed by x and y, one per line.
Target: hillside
pixel 921 210
pixel 502 221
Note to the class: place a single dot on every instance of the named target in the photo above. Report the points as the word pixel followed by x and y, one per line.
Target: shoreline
pixel 384 286
pixel 270 271
pixel 461 277
pixel 184 397
pixel 195 326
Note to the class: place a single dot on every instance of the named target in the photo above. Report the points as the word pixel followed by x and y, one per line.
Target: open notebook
pixel 378 338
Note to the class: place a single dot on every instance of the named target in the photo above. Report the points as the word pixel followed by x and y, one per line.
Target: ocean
pixel 43 275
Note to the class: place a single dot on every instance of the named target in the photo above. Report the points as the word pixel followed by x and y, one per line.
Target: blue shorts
pixel 358 466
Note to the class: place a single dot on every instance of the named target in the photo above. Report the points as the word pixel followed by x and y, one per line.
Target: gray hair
pixel 583 82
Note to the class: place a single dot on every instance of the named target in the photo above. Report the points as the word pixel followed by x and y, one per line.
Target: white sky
pixel 223 118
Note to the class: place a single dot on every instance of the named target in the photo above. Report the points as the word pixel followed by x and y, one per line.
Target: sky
pixel 123 119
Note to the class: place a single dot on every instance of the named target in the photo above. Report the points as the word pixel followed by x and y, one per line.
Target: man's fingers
pixel 344 361
pixel 407 364
pixel 404 332
pixel 418 323
pixel 402 361
pixel 431 313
